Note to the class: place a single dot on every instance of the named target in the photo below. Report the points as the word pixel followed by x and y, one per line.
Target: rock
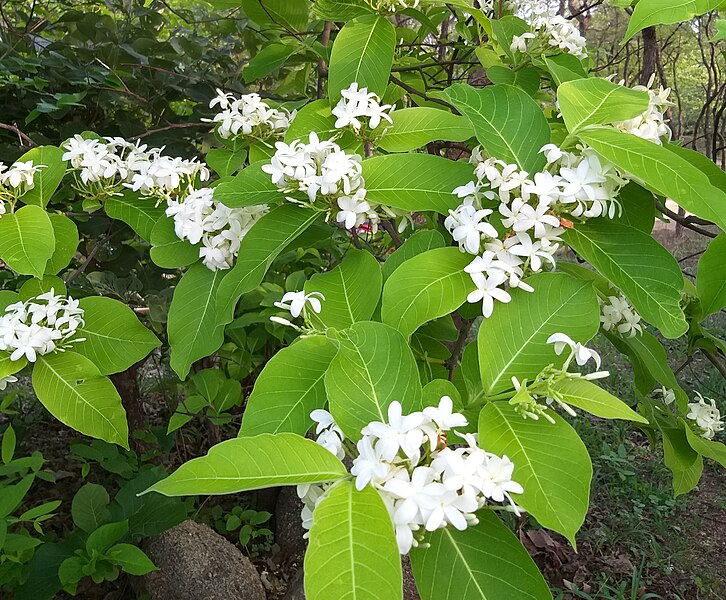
pixel 196 563
pixel 288 524
pixel 295 589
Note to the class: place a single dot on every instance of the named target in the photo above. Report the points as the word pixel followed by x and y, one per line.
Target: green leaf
pixel 131 559
pixel 415 182
pixel 418 243
pixel 66 243
pixel 638 208
pixel 73 390
pixel 7 450
pixel 89 507
pixel 428 286
pixel 115 338
pixel 415 127
pixel 665 12
pixel 638 265
pixel 662 170
pixel 225 162
pixel 504 30
pixel 513 341
pixel 251 186
pixel 168 251
pixel 106 535
pixel 35 287
pixel 10 367
pixel 47 179
pixel 720 31
pixel 268 59
pixel 139 213
pixel 483 562
pixel 565 67
pixel 289 388
pixel 291 15
pixel 711 277
pixel 684 462
pixel 550 462
pixel 27 240
pixel 583 394
pixel 192 324
pixel 315 116
pixel 267 238
pixel 352 536
pixel 508 123
pixel 595 101
pixel 527 79
pixel 363 53
pixel 70 572
pixel 340 10
pixel 708 448
pixel 253 463
pixel 352 291
pixel 374 366
pixel 434 390
pixel 12 495
pixel 715 174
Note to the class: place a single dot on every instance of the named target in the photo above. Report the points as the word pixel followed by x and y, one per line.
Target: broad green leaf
pixel 550 462
pixel 73 390
pixel 638 265
pixel 583 394
pixel 107 534
pixel 115 339
pixel 290 15
pixel 47 180
pixel 89 507
pixel 428 286
pixel 340 10
pixel 27 240
pixel 10 367
pixel 267 238
pixel 508 123
pixel 12 496
pixel 374 366
pixel 565 67
pixel 131 559
pixel 289 388
pixel 720 31
pixel 352 536
pixel 513 341
pixel 315 116
pixel 711 276
pixel 418 243
pixel 194 331
pixel 527 79
pixel 709 448
pixel 638 206
pixel 662 170
pixel 434 390
pixel 249 187
pixel 168 251
pixel 363 53
pixel 665 12
pixel 139 213
pixel 415 182
pixel 483 562
pixel 252 463
pixel 35 287
pixel 66 243
pixel 415 127
pixel 595 101
pixel 7 298
pixel 504 30
pixel 685 463
pixel 716 175
pixel 225 162
pixel 7 449
pixel 269 58
pixel 352 291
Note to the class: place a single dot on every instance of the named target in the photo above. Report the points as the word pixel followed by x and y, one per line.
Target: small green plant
pixel 247 523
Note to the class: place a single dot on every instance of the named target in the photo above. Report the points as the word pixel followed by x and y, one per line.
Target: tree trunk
pixel 651 54
pixel 128 388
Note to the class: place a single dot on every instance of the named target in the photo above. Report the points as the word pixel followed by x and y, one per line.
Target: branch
pixel 457 349
pixel 420 94
pixel 716 362
pixel 168 127
pixel 24 138
pixel 687 222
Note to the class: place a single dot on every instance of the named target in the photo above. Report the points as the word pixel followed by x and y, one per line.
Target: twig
pixel 464 326
pixel 91 255
pixel 687 222
pixel 14 128
pixel 322 67
pixel 168 127
pixel 420 94
pixel 716 362
pixel 390 228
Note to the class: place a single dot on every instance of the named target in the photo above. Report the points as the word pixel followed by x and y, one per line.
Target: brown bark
pixel 651 54
pixel 128 388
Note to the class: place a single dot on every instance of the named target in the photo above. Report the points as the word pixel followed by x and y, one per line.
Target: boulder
pixel 196 563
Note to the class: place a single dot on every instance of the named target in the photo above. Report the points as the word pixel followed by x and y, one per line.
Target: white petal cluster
pixel 426 483
pixel 530 210
pixel 652 124
pixel 618 315
pixel 40 326
pixel 706 416
pixel 199 218
pixel 562 33
pixel 581 353
pixel 7 380
pixel 248 115
pixel 114 163
pixel 295 302
pixel 19 176
pixel 357 104
pixel 392 6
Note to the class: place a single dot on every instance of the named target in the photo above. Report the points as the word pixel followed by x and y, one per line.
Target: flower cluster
pixel 16 180
pixel 652 124
pixel 40 326
pixel 392 6
pixel 248 115
pixel 357 104
pixel 426 483
pixel 706 416
pixel 198 218
pixel 617 314
pixel 532 211
pixel 105 166
pixel 561 33
pixel 295 303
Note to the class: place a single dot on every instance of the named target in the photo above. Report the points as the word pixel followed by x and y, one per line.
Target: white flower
pixel 581 353
pixel 368 466
pixel 552 153
pixel 498 483
pixel 706 416
pixel 356 104
pixel 353 209
pixel 618 315
pixel 467 226
pixel 401 432
pixel 519 42
pixel 295 302
pixel 248 115
pixel 488 289
pixel 443 415
pixel 4 381
pixel 668 396
pixel 20 173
